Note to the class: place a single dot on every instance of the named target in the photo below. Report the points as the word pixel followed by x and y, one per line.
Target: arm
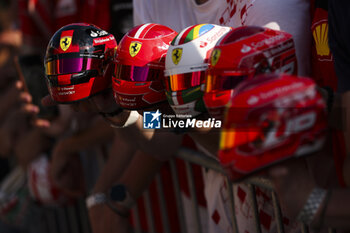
pixel 140 173
pixel 30 145
pixel 136 176
pixel 161 144
pixel 8 99
pixel 339 33
pixel 346 129
pixel 102 218
pixel 12 128
pixel 67 148
pixel 52 128
pixel 208 142
pixel 337 210
pixel 120 155
pixel 293 184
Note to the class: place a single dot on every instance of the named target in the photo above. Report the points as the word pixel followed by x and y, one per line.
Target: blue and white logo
pixel 151 120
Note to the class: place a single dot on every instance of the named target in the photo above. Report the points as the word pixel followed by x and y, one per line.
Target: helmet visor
pixel 138 73
pixel 223 81
pixel 72 63
pixel 179 82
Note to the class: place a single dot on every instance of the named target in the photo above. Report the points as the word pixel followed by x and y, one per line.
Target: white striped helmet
pixel 185 65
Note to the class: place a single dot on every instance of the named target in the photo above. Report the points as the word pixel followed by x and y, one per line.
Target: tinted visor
pixel 72 63
pixel 179 82
pixel 82 77
pixel 138 73
pixel 223 82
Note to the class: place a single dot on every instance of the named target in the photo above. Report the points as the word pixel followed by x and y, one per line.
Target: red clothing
pixel 39 19
pixel 324 72
pixel 322 58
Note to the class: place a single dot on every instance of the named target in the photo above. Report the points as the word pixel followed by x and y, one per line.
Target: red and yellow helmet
pixel 241 54
pixel 78 62
pixel 269 119
pixel 139 69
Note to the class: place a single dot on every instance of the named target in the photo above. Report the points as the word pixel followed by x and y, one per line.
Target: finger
pixel 25 97
pixel 41 123
pixel 19 85
pixel 30 108
pixel 48 101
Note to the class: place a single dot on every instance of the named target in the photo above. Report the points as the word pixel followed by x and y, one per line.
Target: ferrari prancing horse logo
pixel 65 42
pixel 134 48
pixel 215 56
pixel 176 55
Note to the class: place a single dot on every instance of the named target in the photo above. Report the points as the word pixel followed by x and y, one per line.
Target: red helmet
pixel 243 53
pixel 139 70
pixel 77 62
pixel 270 119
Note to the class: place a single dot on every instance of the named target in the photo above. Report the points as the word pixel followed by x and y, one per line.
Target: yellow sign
pixel 176 55
pixel 215 56
pixel 134 48
pixel 65 42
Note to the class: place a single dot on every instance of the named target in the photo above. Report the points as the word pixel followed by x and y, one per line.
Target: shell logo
pixel 320 34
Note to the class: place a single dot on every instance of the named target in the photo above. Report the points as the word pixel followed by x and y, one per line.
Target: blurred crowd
pixel 78 78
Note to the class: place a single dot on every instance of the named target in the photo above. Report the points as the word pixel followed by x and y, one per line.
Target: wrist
pixel 118 209
pixel 120 195
pixel 120 200
pixel 95 199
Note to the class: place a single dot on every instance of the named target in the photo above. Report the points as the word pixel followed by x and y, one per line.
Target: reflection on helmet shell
pixel 242 54
pixel 185 65
pixel 139 70
pixel 79 62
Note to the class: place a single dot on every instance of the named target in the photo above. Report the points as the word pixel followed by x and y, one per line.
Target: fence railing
pixel 74 219
pixel 194 157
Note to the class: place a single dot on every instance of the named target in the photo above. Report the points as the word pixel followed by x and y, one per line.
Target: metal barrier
pixel 71 219
pixel 195 157
pixel 74 219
